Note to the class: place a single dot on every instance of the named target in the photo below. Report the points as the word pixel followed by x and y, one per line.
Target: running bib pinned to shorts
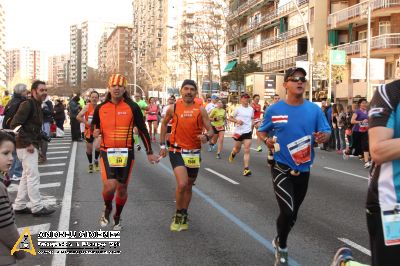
pixel 117 157
pixel 391 224
pixel 300 150
pixel 191 158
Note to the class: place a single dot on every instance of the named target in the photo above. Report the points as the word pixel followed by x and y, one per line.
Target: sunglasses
pixel 297 79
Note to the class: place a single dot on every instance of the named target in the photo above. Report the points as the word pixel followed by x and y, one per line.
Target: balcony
pixel 359 10
pixel 267 18
pixel 284 63
pixel 243 8
pixel 267 42
pixel 384 41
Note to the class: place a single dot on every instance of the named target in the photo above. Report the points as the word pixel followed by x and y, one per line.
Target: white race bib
pixel 391 224
pixel 117 157
pixel 300 150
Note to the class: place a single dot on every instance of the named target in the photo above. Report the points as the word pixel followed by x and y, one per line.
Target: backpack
pixel 11 110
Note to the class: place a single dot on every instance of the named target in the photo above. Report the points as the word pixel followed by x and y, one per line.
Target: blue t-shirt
pixel 293 126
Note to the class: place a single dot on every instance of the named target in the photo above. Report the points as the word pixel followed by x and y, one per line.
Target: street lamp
pixel 134 73
pixel 310 48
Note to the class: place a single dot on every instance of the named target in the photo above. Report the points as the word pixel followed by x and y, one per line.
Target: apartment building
pixel 23 65
pixel 3 63
pixel 75 56
pixel 57 75
pixel 348 31
pixel 118 52
pixel 272 33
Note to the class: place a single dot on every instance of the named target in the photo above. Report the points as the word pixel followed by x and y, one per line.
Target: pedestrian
pixel 335 126
pixel 59 114
pixel 188 119
pixel 341 120
pixel 30 117
pixel 328 115
pixel 19 96
pixel 360 131
pixel 218 117
pixel 242 134
pixel 8 230
pixel 73 111
pixel 257 118
pixel 152 119
pixel 297 124
pixel 48 119
pixel 85 116
pixel 114 120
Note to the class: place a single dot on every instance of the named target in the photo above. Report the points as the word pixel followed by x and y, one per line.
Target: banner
pixel 358 68
pixel 377 69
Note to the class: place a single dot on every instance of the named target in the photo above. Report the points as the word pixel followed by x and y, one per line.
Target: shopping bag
pixel 59 133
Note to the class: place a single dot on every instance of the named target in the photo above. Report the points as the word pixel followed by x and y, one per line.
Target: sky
pixel 44 24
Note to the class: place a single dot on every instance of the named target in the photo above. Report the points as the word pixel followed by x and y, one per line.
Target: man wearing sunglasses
pixel 296 124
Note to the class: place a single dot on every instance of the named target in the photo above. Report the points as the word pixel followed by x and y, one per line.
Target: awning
pixel 230 66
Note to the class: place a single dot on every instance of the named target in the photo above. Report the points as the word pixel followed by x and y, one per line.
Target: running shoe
pixel 367 165
pixel 281 255
pixel 15 178
pixel 345 155
pixel 231 157
pixel 138 147
pixel 342 256
pixel 117 223
pixel 90 168
pixel 246 172
pixel 259 149
pixel 184 224
pixel 105 217
pixel 209 148
pixel 96 166
pixel 176 223
pixel 218 156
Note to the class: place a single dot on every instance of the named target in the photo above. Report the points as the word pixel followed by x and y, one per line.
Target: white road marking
pixel 35 229
pixel 222 176
pixel 52 173
pixel 57 152
pixel 57 158
pixel 14 187
pixel 347 173
pixel 59 148
pixel 51 165
pixel 356 246
pixel 58 144
pixel 63 224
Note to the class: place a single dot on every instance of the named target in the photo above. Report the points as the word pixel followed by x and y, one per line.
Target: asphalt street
pixel 232 217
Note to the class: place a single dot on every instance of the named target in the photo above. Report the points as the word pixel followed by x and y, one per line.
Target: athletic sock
pixel 89 156
pixel 184 211
pixel 108 198
pixel 119 205
pixel 96 155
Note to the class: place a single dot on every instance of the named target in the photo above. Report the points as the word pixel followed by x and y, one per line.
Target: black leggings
pixel 290 192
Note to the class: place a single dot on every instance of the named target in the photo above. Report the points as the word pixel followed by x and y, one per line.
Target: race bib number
pixel 300 150
pixel 117 157
pixel 90 118
pixel 191 158
pixel 391 224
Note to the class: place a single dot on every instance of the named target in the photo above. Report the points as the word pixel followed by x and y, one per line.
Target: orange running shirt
pixel 187 124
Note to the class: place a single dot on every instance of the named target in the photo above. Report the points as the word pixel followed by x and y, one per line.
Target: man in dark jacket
pixel 73 110
pixel 30 117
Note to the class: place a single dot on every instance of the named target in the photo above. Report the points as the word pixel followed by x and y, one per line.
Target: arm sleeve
pixel 96 118
pixel 141 126
pixel 22 114
pixel 266 124
pixel 383 105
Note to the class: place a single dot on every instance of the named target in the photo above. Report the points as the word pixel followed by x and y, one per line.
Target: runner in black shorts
pixel 217 118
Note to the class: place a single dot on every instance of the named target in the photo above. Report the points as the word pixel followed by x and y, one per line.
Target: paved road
pixel 232 220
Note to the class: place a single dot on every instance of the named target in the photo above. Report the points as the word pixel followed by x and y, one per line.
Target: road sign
pixel 338 57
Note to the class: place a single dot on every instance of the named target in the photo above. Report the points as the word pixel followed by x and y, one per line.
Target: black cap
pixel 189 82
pixel 292 70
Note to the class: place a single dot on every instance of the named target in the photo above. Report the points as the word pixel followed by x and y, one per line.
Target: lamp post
pixel 134 73
pixel 310 48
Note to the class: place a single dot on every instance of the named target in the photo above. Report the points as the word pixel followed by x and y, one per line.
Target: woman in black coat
pixel 59 114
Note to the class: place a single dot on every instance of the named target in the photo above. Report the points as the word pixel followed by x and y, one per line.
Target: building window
pixel 312 14
pixel 384 27
pixel 362 35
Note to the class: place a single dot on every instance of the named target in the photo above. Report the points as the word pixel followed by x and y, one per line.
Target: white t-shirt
pixel 244 114
pixel 210 107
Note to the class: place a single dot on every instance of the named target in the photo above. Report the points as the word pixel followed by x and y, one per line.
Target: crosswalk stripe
pixel 57 152
pixel 14 187
pixel 51 165
pixel 52 173
pixel 58 144
pixel 59 148
pixel 35 229
pixel 57 158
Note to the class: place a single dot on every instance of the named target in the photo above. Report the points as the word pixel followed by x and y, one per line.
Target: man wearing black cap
pixel 188 119
pixel 296 124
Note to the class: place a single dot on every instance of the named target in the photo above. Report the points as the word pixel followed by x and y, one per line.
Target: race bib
pixel 300 150
pixel 117 157
pixel 391 224
pixel 191 158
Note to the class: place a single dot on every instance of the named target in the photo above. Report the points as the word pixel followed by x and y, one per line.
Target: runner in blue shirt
pixel 296 124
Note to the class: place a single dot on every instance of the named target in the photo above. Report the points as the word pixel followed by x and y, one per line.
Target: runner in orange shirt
pixel 188 120
pixel 114 120
pixel 85 116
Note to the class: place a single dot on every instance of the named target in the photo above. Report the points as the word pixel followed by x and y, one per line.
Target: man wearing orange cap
pixel 114 120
